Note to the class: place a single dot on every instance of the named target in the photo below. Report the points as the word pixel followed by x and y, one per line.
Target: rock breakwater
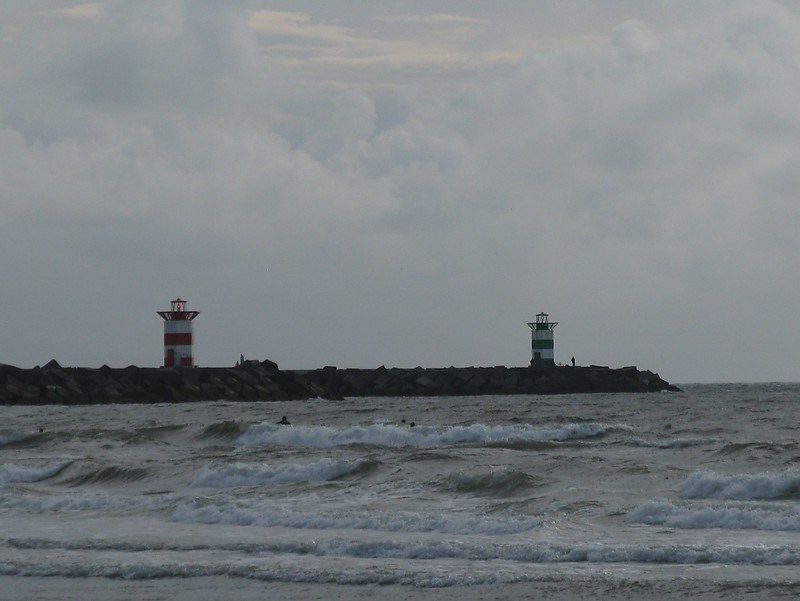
pixel 53 384
pixel 467 381
pixel 264 381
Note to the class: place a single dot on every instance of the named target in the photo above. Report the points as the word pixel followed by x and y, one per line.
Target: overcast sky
pixel 403 183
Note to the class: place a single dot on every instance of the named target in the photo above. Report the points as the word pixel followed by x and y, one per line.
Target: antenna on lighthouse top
pixel 178 312
pixel 178 334
pixel 542 322
pixel 542 341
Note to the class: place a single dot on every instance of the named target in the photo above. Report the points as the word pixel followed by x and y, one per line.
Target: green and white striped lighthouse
pixel 542 341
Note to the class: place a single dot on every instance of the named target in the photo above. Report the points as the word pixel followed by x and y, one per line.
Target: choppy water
pixel 629 496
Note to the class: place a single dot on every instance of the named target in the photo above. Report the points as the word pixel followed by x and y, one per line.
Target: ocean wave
pixel 672 443
pixel 501 483
pixel 159 431
pixel 10 472
pixel 279 515
pixel 249 474
pixel 108 475
pixel 767 485
pixel 228 429
pixel 421 577
pixel 730 517
pixel 422 436
pixel 18 440
pixel 432 455
pixel 78 501
pixel 421 550
pixel 529 445
pixel 735 448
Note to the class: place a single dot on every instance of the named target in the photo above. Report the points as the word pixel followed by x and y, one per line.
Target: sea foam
pixel 249 474
pixel 422 436
pixel 672 443
pixel 280 515
pixel 10 472
pixel 767 485
pixel 13 438
pixel 727 516
pixel 429 549
pixel 81 501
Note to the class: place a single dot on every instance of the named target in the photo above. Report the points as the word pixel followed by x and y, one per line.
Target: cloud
pixel 431 19
pixel 447 44
pixel 637 185
pixel 88 10
pixel 299 25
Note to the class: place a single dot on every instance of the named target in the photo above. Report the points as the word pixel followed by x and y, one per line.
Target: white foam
pixel 196 561
pixel 711 485
pixel 82 501
pixel 4 440
pixel 280 515
pixel 727 516
pixel 10 472
pixel 357 573
pixel 249 474
pixel 673 443
pixel 422 436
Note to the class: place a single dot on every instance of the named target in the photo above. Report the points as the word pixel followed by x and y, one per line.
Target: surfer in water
pixel 284 421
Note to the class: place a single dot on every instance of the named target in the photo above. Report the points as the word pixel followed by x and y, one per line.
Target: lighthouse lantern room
pixel 542 341
pixel 178 335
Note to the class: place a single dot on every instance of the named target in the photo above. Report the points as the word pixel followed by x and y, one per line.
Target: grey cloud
pixel 637 185
pixel 155 54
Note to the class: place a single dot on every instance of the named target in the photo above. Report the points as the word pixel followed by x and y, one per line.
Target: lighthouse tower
pixel 542 341
pixel 178 335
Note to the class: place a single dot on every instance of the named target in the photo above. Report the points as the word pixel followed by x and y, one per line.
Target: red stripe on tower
pixel 178 339
pixel 178 335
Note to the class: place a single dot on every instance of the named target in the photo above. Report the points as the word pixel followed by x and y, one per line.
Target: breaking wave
pixel 10 472
pixel 279 515
pixel 228 430
pixel 742 487
pixel 421 436
pixel 249 474
pixel 727 516
pixel 190 561
pixel 673 443
pixel 19 440
pixel 501 483
pixel 83 501
pixel 108 475
pixel 735 448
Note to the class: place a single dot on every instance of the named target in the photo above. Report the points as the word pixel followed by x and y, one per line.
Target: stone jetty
pixel 468 381
pixel 264 381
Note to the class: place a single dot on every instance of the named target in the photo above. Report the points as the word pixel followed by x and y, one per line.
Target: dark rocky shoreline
pixel 264 381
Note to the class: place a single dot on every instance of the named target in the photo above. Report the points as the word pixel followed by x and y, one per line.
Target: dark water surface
pixel 663 495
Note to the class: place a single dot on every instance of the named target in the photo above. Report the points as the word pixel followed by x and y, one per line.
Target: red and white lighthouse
pixel 178 335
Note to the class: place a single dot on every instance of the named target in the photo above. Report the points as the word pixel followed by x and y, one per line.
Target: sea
pixel 670 495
